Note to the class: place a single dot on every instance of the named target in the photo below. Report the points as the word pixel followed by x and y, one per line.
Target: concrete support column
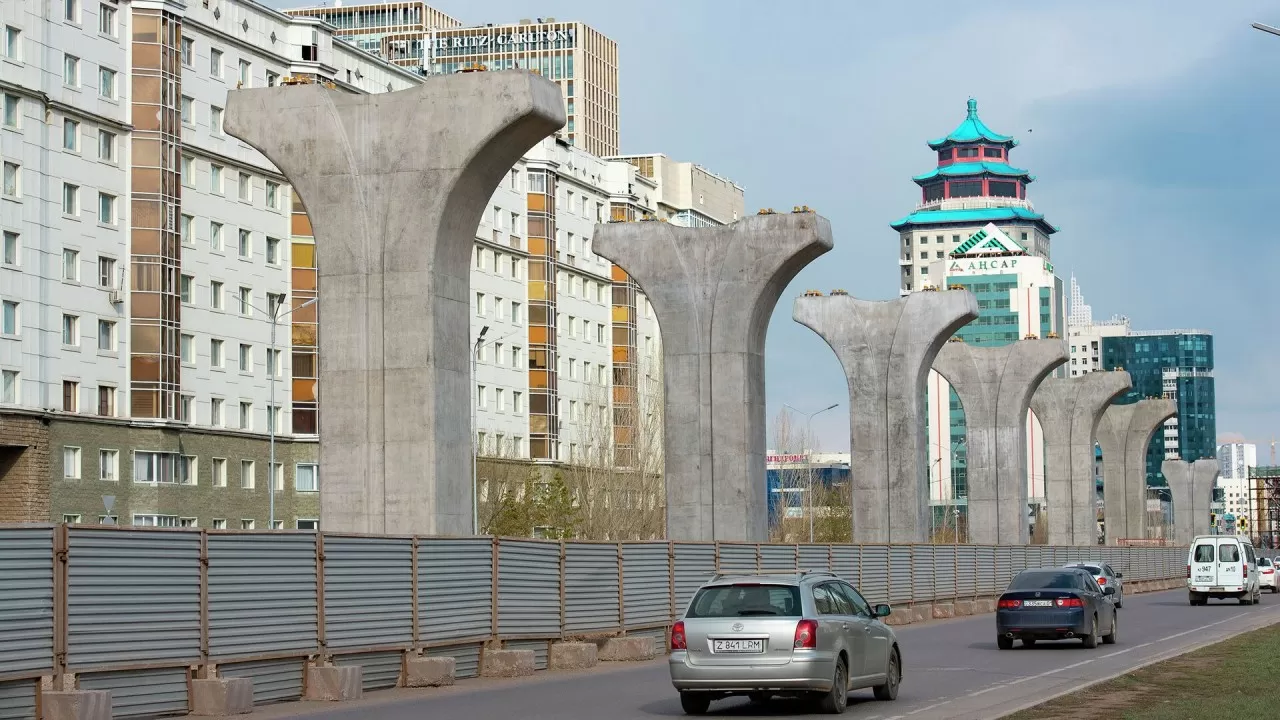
pixel 995 385
pixel 886 349
pixel 1124 434
pixel 713 290
pixel 1191 484
pixel 1069 410
pixel 395 185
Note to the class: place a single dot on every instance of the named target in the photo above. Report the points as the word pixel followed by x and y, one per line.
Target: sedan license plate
pixel 737 646
pixel 1038 603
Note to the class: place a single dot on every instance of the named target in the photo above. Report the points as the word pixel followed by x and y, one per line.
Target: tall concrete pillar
pixel 1069 410
pixel 886 349
pixel 995 385
pixel 713 290
pixel 394 185
pixel 1124 434
pixel 1191 484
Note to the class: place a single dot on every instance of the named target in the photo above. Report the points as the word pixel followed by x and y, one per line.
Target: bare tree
pixel 789 522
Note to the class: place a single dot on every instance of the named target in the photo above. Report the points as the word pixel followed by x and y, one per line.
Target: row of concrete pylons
pixel 394 185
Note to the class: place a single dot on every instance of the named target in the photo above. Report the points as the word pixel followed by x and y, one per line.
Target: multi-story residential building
pixel 1084 335
pixel 689 194
pixel 582 61
pixel 975 228
pixel 1235 460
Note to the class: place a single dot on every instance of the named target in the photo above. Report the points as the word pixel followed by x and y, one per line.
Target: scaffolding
pixel 1264 492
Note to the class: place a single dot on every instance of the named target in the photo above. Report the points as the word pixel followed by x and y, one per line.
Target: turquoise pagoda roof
pixel 972 130
pixel 972 217
pixel 975 168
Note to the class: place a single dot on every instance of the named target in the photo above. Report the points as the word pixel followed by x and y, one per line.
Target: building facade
pixel 1235 463
pixel 975 228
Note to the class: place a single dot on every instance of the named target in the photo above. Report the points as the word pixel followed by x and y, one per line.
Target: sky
pixel 1150 126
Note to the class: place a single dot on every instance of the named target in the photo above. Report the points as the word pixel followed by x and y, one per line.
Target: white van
pixel 1222 566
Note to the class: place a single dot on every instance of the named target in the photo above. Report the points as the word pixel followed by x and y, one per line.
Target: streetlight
pixel 1266 28
pixel 808 456
pixel 274 356
pixel 475 430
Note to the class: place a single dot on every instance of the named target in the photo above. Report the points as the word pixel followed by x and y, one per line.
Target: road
pixel 952 670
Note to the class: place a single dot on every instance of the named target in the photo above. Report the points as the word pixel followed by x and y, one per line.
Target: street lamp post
pixel 808 456
pixel 1266 28
pixel 475 446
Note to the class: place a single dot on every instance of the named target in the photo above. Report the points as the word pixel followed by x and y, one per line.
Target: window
pixel 215 120
pixel 273 251
pixel 106 401
pixel 273 425
pixel 12 179
pixel 71 71
pixel 184 287
pixel 186 349
pixel 215 353
pixel 515 313
pixel 215 295
pixel 246 416
pixel 725 601
pixel 306 478
pixel 9 318
pixel 188 51
pixel 219 524
pixel 9 256
pixel 12 107
pixel 9 386
pixel 246 475
pixel 515 357
pixel 155 467
pixel 188 113
pixel 70 199
pixel 106 335
pixel 245 247
pixel 71 10
pixel 246 524
pixel 188 171
pixel 106 209
pixel 308 524
pixel 165 521
pixel 109 465
pixel 12 42
pixel 480 304
pixel 218 472
pixel 215 62
pixel 273 79
pixel 246 187
pixel 500 399
pixel 481 397
pixel 215 179
pixel 70 330
pixel 215 236
pixel 274 302
pixel 517 402
pixel 186 470
pixel 216 416
pixel 107 83
pixel 187 229
pixel 106 146
pixel 246 73
pixel 71 463
pixel 70 396
pixel 273 195
pixel 273 363
pixel 244 296
pixel 70 265
pixel 246 358
pixel 72 518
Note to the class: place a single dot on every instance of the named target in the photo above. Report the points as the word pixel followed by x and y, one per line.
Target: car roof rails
pixel 800 574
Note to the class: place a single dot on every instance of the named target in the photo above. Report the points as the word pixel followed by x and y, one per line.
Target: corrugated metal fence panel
pixel 901 583
pixel 646 580
pixel 18 700
pixel 368 591
pixel 273 680
pixel 378 671
pixel 142 693
pixel 780 558
pixel 539 648
pixel 815 557
pixel 695 564
pixel 590 587
pixel 873 573
pixel 26 600
pixel 1003 567
pixel 984 561
pixel 846 561
pixel 1017 559
pixel 944 572
pixel 529 588
pixel 132 597
pixel 966 571
pixel 924 579
pixel 262 594
pixel 455 589
pixel 466 658
pixel 736 557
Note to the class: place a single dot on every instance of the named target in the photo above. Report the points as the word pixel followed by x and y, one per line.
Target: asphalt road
pixel 952 670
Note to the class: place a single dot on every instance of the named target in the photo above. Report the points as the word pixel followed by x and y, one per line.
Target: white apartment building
pixel 1084 335
pixel 1234 462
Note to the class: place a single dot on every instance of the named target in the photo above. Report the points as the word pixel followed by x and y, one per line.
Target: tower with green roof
pixel 974 228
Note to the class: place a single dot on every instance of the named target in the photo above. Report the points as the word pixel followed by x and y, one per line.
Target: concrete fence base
pixel 507 663
pixel 216 697
pixel 573 656
pixel 628 649
pixel 77 705
pixel 429 671
pixel 334 683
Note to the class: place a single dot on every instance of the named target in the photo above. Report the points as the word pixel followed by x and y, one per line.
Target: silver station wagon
pixel 803 634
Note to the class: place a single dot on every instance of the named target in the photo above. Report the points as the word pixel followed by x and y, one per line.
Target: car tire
pixel 695 703
pixel 892 678
pixel 1091 640
pixel 1246 599
pixel 1004 643
pixel 835 701
pixel 1110 639
pixel 1120 602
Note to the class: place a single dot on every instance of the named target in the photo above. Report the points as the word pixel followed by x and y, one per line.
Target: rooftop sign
pixel 990 240
pixel 489 41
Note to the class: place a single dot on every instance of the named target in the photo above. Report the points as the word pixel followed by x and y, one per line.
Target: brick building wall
pixel 24 468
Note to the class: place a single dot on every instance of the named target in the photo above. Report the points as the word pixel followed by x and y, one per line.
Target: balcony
pixel 975 203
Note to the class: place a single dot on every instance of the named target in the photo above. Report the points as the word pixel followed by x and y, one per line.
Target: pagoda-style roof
pixel 975 168
pixel 980 216
pixel 972 130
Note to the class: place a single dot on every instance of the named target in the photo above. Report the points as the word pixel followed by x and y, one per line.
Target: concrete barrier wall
pixel 108 608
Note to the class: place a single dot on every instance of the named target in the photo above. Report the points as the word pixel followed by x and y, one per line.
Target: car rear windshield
pixel 1042 580
pixel 746 600
pixel 1204 553
pixel 1228 552
pixel 1091 568
pixel 1264 562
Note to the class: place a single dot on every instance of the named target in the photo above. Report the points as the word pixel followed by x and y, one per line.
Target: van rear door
pixel 1230 564
pixel 1204 570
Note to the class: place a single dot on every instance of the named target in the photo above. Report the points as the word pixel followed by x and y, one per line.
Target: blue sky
pixel 1150 126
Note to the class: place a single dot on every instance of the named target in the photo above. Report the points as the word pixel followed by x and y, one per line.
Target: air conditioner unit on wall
pixel 115 297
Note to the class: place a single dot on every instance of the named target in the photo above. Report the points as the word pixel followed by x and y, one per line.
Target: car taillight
pixel 677 637
pixel 806 635
pixel 1245 569
pixel 1102 580
pixel 1188 572
pixel 1008 604
pixel 1070 602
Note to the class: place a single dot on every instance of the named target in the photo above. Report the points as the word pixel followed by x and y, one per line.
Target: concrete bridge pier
pixel 1124 434
pixel 1191 484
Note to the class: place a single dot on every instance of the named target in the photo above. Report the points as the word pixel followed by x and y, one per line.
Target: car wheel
pixel 1004 643
pixel 834 702
pixel 892 676
pixel 1246 600
pixel 1119 601
pixel 694 703
pixel 1110 638
pixel 1091 640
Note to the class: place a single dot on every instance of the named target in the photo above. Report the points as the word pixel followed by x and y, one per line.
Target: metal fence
pixel 140 612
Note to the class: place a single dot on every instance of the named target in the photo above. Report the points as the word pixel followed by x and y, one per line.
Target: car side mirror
pixel 1108 590
pixel 1119 575
pixel 882 610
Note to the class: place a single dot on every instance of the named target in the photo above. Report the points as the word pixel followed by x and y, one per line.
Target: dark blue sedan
pixel 1055 604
